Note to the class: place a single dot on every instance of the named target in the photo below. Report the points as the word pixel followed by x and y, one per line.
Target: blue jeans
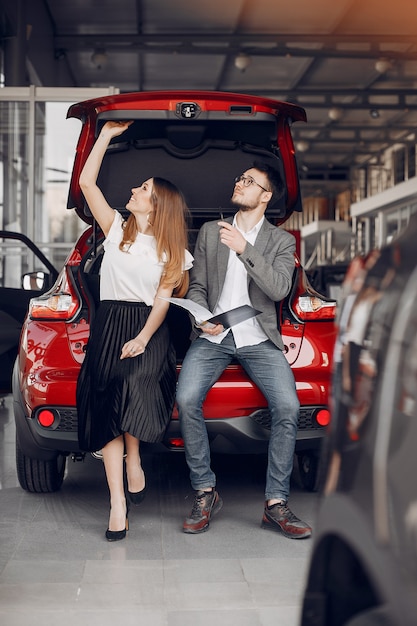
pixel 268 368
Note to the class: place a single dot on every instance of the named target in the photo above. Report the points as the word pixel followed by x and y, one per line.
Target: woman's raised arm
pixel 98 204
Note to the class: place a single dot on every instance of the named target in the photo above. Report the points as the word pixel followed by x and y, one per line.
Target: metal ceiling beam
pixel 337 128
pixel 368 46
pixel 363 147
pixel 339 92
pixel 365 103
pixel 362 98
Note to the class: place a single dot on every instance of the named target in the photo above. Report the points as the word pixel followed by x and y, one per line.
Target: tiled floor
pixel 56 568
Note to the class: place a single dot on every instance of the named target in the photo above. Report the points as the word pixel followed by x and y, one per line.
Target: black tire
pixel 39 476
pixel 308 465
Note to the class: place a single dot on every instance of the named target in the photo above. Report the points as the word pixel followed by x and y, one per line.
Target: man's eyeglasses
pixel 247 181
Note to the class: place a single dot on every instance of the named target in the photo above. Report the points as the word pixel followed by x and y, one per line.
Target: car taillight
pixel 311 306
pixel 306 303
pixel 60 303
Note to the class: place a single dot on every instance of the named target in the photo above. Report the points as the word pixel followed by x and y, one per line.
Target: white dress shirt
pixel 133 275
pixel 235 293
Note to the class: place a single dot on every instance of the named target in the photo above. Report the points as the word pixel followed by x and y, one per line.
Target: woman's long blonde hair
pixel 169 222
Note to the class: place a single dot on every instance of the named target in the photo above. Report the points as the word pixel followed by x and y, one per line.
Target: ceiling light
pixel 302 146
pixel 242 61
pixel 383 65
pixel 335 114
pixel 374 113
pixel 99 58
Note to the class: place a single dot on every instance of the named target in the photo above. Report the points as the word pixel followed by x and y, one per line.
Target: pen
pixel 221 216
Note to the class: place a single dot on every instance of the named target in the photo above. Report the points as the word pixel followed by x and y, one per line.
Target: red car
pixel 201 141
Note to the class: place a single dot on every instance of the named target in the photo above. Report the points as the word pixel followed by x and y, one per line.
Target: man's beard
pixel 242 207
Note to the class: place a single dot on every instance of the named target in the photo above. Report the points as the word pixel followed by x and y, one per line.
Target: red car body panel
pixel 51 355
pixel 50 359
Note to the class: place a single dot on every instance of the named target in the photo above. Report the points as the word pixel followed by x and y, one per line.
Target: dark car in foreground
pixel 201 141
pixel 363 568
pixel 19 282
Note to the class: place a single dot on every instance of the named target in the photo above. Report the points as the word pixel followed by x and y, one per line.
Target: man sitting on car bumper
pixel 242 260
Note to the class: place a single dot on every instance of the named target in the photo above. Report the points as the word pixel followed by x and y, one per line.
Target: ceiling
pixel 352 64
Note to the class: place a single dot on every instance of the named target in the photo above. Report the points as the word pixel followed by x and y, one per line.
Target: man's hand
pixel 211 330
pixel 231 237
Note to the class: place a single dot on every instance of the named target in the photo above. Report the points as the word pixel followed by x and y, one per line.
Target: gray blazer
pixel 269 264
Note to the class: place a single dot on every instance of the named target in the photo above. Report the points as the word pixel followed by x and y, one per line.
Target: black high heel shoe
pixel 137 497
pixel 118 535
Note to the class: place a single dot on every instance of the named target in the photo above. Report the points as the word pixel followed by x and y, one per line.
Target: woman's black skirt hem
pixel 133 395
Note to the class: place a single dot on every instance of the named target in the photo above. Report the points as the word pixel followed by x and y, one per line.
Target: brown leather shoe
pixel 280 518
pixel 206 504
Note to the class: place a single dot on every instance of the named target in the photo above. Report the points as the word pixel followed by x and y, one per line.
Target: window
pixel 37 148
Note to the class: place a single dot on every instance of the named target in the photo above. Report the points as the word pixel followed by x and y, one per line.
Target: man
pixel 242 260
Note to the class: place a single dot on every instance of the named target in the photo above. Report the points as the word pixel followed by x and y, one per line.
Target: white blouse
pixel 133 275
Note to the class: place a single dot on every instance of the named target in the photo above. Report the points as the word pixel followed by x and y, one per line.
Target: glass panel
pixel 392 225
pixel 14 161
pixel 37 149
pixel 399 164
pixel 54 149
pixel 411 162
pixel 40 230
pixel 59 136
pixel 16 259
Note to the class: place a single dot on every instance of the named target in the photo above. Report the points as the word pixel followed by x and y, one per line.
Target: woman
pixel 126 386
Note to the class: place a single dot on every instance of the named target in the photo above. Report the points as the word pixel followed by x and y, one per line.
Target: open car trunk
pixel 199 145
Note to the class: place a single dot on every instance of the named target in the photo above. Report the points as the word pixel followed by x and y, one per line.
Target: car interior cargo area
pixel 200 162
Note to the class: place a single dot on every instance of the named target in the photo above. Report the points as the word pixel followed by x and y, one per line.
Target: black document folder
pixel 204 318
pixel 232 317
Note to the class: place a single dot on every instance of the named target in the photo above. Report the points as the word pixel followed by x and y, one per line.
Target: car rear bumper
pixel 242 435
pixel 233 435
pixel 34 441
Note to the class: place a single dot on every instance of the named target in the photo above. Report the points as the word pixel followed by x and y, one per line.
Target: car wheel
pixel 39 476
pixel 308 464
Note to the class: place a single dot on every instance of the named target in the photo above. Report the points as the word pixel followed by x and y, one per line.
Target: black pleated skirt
pixel 133 395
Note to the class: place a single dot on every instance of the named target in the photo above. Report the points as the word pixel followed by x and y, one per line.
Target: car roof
pixel 199 140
